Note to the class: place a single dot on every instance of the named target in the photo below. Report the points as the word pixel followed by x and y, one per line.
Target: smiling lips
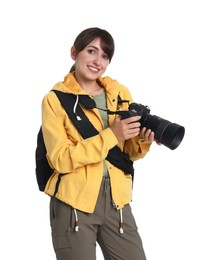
pixel 93 69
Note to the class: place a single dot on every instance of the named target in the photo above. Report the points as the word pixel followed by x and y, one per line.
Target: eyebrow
pixel 92 46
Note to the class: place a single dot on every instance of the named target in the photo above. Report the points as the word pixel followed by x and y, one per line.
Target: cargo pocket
pixel 62 242
pixel 63 247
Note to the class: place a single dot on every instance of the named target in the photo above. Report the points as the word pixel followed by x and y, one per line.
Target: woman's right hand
pixel 126 128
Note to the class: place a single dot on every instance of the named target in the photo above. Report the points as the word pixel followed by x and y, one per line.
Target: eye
pixel 106 57
pixel 91 51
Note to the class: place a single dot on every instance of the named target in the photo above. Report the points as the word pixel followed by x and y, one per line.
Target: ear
pixel 73 53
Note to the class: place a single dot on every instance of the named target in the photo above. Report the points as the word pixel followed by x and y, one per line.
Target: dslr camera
pixel 167 133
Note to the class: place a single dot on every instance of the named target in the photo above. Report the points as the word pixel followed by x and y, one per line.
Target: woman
pixel 92 201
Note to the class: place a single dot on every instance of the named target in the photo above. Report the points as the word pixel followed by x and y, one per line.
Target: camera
pixel 167 133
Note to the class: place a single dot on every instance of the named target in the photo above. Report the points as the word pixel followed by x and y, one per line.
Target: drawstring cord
pixel 74 108
pixel 76 228
pixel 76 221
pixel 121 224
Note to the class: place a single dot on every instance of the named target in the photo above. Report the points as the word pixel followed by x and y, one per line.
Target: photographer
pixel 91 203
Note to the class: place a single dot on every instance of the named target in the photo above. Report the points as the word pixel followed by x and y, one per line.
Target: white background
pixel 165 55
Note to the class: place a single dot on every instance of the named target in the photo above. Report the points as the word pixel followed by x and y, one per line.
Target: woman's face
pixel 91 62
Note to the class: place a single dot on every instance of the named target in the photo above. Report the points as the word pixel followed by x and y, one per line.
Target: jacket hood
pixel 70 85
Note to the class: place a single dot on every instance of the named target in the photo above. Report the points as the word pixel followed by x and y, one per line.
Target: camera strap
pixel 71 105
pixel 89 103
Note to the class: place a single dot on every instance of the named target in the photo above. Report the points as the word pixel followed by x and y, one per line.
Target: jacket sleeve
pixel 137 148
pixel 67 152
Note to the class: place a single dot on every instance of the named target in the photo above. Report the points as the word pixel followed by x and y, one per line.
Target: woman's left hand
pixel 148 135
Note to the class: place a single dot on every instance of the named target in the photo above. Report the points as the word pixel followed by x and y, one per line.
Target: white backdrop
pixel 165 54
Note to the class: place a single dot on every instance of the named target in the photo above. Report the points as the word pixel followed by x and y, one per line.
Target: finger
pixel 131 119
pixel 134 125
pixel 132 133
pixel 147 133
pixel 157 142
pixel 151 137
pixel 143 130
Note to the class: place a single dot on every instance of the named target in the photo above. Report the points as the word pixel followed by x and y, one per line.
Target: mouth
pixel 93 69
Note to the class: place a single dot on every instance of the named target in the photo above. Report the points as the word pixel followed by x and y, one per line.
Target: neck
pixel 91 87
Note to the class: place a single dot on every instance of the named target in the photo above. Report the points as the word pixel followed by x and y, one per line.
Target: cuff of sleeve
pixel 144 144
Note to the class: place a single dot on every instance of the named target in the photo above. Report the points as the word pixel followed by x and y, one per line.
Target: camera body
pixel 167 133
pixel 136 109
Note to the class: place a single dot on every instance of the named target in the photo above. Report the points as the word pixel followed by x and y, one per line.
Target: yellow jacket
pixel 81 160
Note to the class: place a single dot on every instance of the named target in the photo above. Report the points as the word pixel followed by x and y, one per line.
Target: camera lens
pixel 167 133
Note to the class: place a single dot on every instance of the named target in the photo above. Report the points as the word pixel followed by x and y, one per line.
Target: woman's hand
pixel 148 135
pixel 126 128
pixel 130 127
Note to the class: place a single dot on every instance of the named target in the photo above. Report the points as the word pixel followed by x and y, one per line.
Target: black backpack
pixel 85 127
pixel 43 169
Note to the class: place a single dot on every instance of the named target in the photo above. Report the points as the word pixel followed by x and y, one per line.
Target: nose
pixel 97 60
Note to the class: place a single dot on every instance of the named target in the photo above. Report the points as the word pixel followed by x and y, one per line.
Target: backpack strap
pixel 115 156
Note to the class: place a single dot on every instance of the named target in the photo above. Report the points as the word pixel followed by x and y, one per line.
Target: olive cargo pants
pixel 103 226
